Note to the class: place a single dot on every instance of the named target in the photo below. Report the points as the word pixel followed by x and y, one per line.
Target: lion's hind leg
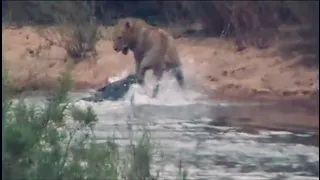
pixel 176 71
pixel 158 72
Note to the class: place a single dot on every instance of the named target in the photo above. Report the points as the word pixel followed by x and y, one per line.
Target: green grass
pixel 40 143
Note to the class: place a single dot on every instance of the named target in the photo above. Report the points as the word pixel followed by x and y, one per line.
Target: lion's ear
pixel 128 24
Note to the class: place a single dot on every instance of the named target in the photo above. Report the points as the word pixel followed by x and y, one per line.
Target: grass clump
pixel 76 28
pixel 54 141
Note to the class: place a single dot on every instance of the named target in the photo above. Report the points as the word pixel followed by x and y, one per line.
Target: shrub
pixel 44 142
pixel 77 30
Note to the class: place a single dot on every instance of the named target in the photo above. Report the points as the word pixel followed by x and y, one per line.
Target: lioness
pixel 153 48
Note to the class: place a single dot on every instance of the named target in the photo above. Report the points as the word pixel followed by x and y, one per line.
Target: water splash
pixel 170 93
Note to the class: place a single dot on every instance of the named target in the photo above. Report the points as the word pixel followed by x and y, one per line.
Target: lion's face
pixel 122 36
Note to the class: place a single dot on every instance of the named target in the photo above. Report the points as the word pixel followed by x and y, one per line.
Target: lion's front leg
pixel 137 67
pixel 146 63
pixel 138 59
pixel 141 74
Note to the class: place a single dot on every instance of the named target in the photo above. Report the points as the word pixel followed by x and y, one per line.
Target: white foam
pixel 169 94
pixel 121 75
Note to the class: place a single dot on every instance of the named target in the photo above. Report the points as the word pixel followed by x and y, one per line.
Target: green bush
pixel 41 142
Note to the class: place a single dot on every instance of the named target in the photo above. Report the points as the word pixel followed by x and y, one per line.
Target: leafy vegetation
pixel 54 141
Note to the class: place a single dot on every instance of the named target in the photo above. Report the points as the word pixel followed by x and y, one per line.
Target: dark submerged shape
pixel 113 91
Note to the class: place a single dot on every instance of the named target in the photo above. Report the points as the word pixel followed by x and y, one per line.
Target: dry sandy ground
pixel 259 74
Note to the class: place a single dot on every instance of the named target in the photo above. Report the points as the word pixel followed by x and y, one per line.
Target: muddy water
pixel 183 125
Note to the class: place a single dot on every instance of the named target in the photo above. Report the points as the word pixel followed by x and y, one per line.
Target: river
pixel 180 122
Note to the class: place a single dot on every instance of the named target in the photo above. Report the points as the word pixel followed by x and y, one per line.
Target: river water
pixel 179 121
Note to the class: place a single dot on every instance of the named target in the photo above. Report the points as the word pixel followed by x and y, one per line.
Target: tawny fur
pixel 153 48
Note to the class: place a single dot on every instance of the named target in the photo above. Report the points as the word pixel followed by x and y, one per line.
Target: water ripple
pixel 207 152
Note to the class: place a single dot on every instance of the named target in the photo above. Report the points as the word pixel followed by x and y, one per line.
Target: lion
pixel 153 48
